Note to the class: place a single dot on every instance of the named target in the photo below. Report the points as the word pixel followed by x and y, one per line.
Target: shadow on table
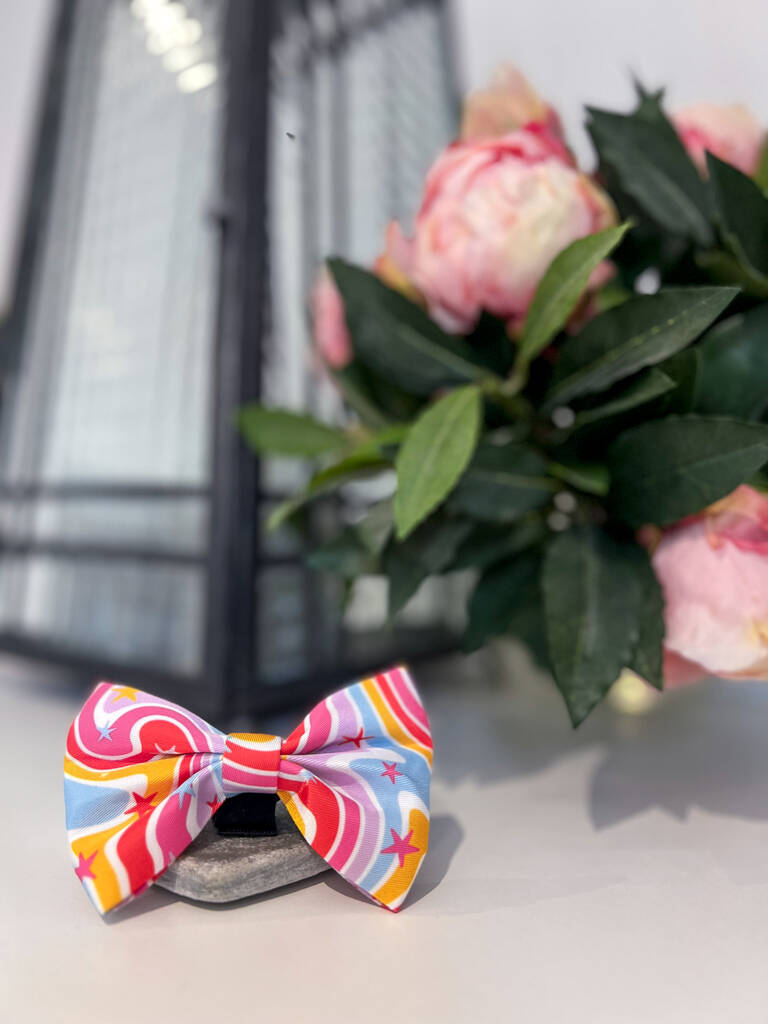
pixel 495 716
pixel 705 746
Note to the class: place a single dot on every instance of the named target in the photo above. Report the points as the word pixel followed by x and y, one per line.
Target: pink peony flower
pixel 509 103
pixel 330 326
pixel 731 133
pixel 713 569
pixel 494 215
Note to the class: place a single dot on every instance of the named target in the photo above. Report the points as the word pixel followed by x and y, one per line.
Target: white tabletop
pixel 614 875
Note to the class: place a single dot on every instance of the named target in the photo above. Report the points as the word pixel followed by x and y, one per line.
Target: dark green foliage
pixel 529 462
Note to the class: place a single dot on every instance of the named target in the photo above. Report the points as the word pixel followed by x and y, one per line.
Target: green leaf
pixel 528 624
pixel 666 469
pixel 641 389
pixel 343 556
pixel 384 439
pixel 734 366
pixel 761 175
pixel 434 455
pixel 488 544
pixel 649 103
pixel 283 432
pixel 742 209
pixel 723 268
pixel 376 401
pixel 562 286
pixel 647 658
pixel 653 167
pixel 592 602
pixel 643 331
pixel 429 550
pixel 611 294
pixel 502 483
pixel 355 467
pixel 375 529
pixel 684 370
pixel 590 477
pixel 496 599
pixel 398 339
pixel 353 385
pixel 491 344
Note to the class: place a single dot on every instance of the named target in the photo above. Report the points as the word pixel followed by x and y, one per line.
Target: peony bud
pixel 330 326
pixel 509 103
pixel 730 133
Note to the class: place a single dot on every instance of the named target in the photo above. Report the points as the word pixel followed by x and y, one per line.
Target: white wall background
pixel 582 51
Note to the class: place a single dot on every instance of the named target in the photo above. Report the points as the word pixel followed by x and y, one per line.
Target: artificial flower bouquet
pixel 568 374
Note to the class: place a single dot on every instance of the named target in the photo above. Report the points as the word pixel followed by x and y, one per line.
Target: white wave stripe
pixel 141 723
pixel 304 736
pixel 74 834
pixel 384 731
pixel 357 780
pixel 110 852
pixel 333 730
pixel 409 682
pixel 340 828
pixel 342 695
pixel 150 836
pixel 129 784
pixel 342 758
pixel 260 775
pixel 340 761
pixel 417 804
pixel 419 746
pixel 407 802
pixel 307 818
pixel 403 710
pixel 96 753
pixel 190 822
pixel 102 750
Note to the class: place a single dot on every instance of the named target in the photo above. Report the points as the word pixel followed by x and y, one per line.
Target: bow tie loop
pixel 251 763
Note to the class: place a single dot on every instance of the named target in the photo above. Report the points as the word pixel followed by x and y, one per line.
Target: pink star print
pixel 390 770
pixel 401 847
pixel 83 869
pixel 357 740
pixel 141 804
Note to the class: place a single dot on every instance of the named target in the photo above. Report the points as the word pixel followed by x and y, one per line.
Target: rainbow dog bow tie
pixel 142 777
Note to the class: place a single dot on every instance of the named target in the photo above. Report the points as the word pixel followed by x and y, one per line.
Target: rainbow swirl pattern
pixel 142 776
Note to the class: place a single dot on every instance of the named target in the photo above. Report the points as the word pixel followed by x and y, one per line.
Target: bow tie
pixel 142 776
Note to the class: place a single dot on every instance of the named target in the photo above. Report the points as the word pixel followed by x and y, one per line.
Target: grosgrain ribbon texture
pixel 142 777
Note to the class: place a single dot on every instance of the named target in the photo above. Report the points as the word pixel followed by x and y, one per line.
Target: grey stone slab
pixel 219 869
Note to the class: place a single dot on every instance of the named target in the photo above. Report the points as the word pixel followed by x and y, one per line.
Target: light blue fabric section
pixel 415 777
pixel 92 805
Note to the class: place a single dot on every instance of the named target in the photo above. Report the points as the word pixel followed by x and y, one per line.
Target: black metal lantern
pixel 196 162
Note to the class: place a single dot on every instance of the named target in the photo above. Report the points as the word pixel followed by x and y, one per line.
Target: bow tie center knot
pixel 251 763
